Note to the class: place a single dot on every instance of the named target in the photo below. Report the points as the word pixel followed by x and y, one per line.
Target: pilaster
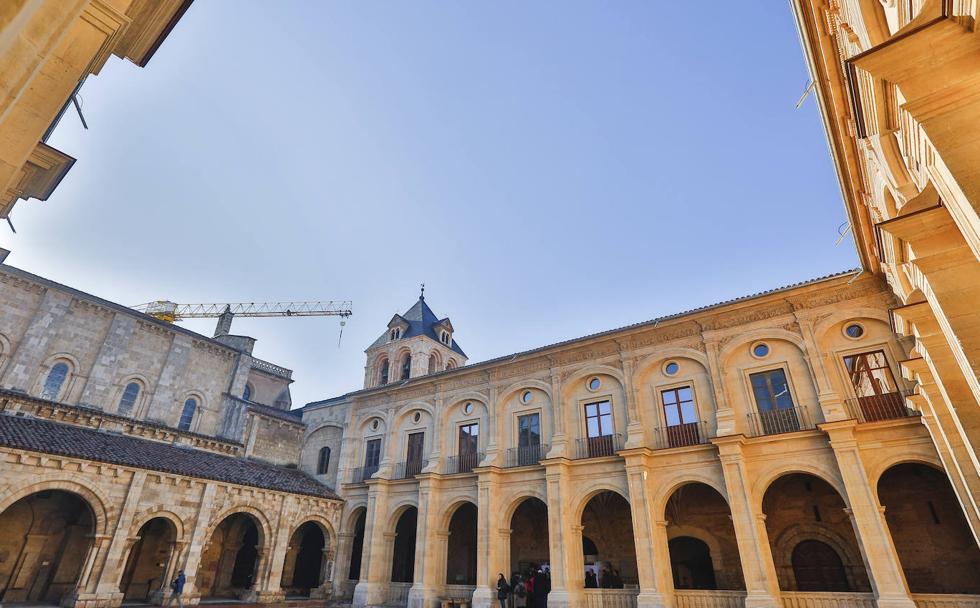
pixel 370 590
pixel 649 555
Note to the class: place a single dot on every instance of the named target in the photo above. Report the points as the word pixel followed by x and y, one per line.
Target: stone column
pixel 870 528
pixel 489 558
pixel 327 561
pixel 370 590
pixel 559 440
pixel 110 574
pixel 427 584
pixel 725 415
pixel 635 436
pixel 761 584
pixel 84 595
pixel 830 401
pixel 272 556
pixel 159 596
pixel 652 591
pixel 345 542
pixel 565 550
pixel 192 558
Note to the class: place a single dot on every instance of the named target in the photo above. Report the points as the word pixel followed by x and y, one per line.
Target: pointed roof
pixel 421 322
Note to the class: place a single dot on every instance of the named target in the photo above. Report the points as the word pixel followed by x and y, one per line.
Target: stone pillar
pixel 428 581
pixel 725 415
pixel 635 436
pixel 160 596
pixel 761 584
pixel 327 562
pixel 649 566
pixel 565 540
pixel 84 595
pixel 559 440
pixel 98 388
pixel 370 590
pixel 345 542
pixel 161 408
pixel 272 556
pixel 489 557
pixel 870 527
pixel 192 557
pixel 33 348
pixel 110 575
pixel 830 401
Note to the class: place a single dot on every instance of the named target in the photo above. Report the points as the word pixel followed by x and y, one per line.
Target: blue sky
pixel 548 169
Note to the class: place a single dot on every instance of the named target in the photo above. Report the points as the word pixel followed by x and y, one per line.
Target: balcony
pixel 681 435
pixel 873 408
pixel 597 447
pixel 362 474
pixel 463 463
pixel 409 469
pixel 526 456
pixel 778 421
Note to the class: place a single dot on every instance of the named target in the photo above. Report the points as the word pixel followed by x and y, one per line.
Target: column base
pixel 484 597
pixel 323 592
pixel 897 600
pixel 420 596
pixel 368 594
pixel 652 599
pixel 92 600
pixel 564 598
pixel 762 600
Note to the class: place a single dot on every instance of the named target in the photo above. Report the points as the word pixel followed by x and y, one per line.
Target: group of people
pixel 524 590
pixel 607 579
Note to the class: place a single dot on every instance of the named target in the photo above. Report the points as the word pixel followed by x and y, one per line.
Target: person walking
pixel 520 594
pixel 177 589
pixel 503 590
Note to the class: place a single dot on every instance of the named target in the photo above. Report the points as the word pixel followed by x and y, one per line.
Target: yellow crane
pixel 170 312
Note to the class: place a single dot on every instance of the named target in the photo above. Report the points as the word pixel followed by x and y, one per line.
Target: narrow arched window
pixel 406 367
pixel 128 399
pixel 187 414
pixel 247 393
pixel 433 364
pixel 384 372
pixel 323 461
pixel 54 381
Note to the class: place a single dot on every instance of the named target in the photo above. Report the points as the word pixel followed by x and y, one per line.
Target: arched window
pixel 128 399
pixel 433 364
pixel 187 414
pixel 451 364
pixel 247 393
pixel 817 567
pixel 54 381
pixel 323 461
pixel 406 367
pixel 384 372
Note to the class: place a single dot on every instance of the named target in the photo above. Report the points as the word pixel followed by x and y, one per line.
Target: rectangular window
pixel 372 453
pixel 599 429
pixel 777 413
pixel 469 446
pixel 681 416
pixel 414 460
pixel 877 394
pixel 528 439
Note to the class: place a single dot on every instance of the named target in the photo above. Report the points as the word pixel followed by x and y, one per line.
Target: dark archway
pixel 931 535
pixel 608 523
pixel 403 551
pixel 357 546
pixel 230 559
pixel 461 552
pixel 47 537
pixel 700 521
pixel 690 563
pixel 529 547
pixel 817 567
pixel 303 568
pixel 801 507
pixel 146 566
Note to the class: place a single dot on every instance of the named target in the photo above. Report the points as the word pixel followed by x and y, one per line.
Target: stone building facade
pixel 758 452
pixel 132 448
pixel 47 50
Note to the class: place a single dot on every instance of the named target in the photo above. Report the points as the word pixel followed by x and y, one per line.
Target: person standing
pixel 503 590
pixel 177 589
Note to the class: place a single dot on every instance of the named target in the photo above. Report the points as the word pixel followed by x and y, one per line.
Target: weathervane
pixel 422 293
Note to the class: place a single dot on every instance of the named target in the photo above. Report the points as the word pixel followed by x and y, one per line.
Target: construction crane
pixel 171 311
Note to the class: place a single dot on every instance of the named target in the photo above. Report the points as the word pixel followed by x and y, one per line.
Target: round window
pixel 468 408
pixel 594 384
pixel 671 368
pixel 417 416
pixel 854 331
pixel 375 424
pixel 526 397
pixel 760 350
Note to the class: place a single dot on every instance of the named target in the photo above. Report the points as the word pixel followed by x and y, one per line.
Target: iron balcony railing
pixel 463 463
pixel 409 469
pixel 597 447
pixel 526 455
pixel 887 406
pixel 362 474
pixel 680 435
pixel 782 420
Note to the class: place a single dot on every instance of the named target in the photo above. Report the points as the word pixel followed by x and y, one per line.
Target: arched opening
pixel 145 572
pixel 930 533
pixel 46 538
pixel 461 552
pixel 703 548
pixel 529 549
pixel 403 551
pixel 231 557
pixel 384 372
pixel 357 546
pixel 302 570
pixel 800 507
pixel 433 363
pixel 406 367
pixel 817 567
pixel 54 381
pixel 608 523
pixel 690 563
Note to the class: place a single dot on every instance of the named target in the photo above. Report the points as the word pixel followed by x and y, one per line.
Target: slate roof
pixel 421 321
pixel 66 440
